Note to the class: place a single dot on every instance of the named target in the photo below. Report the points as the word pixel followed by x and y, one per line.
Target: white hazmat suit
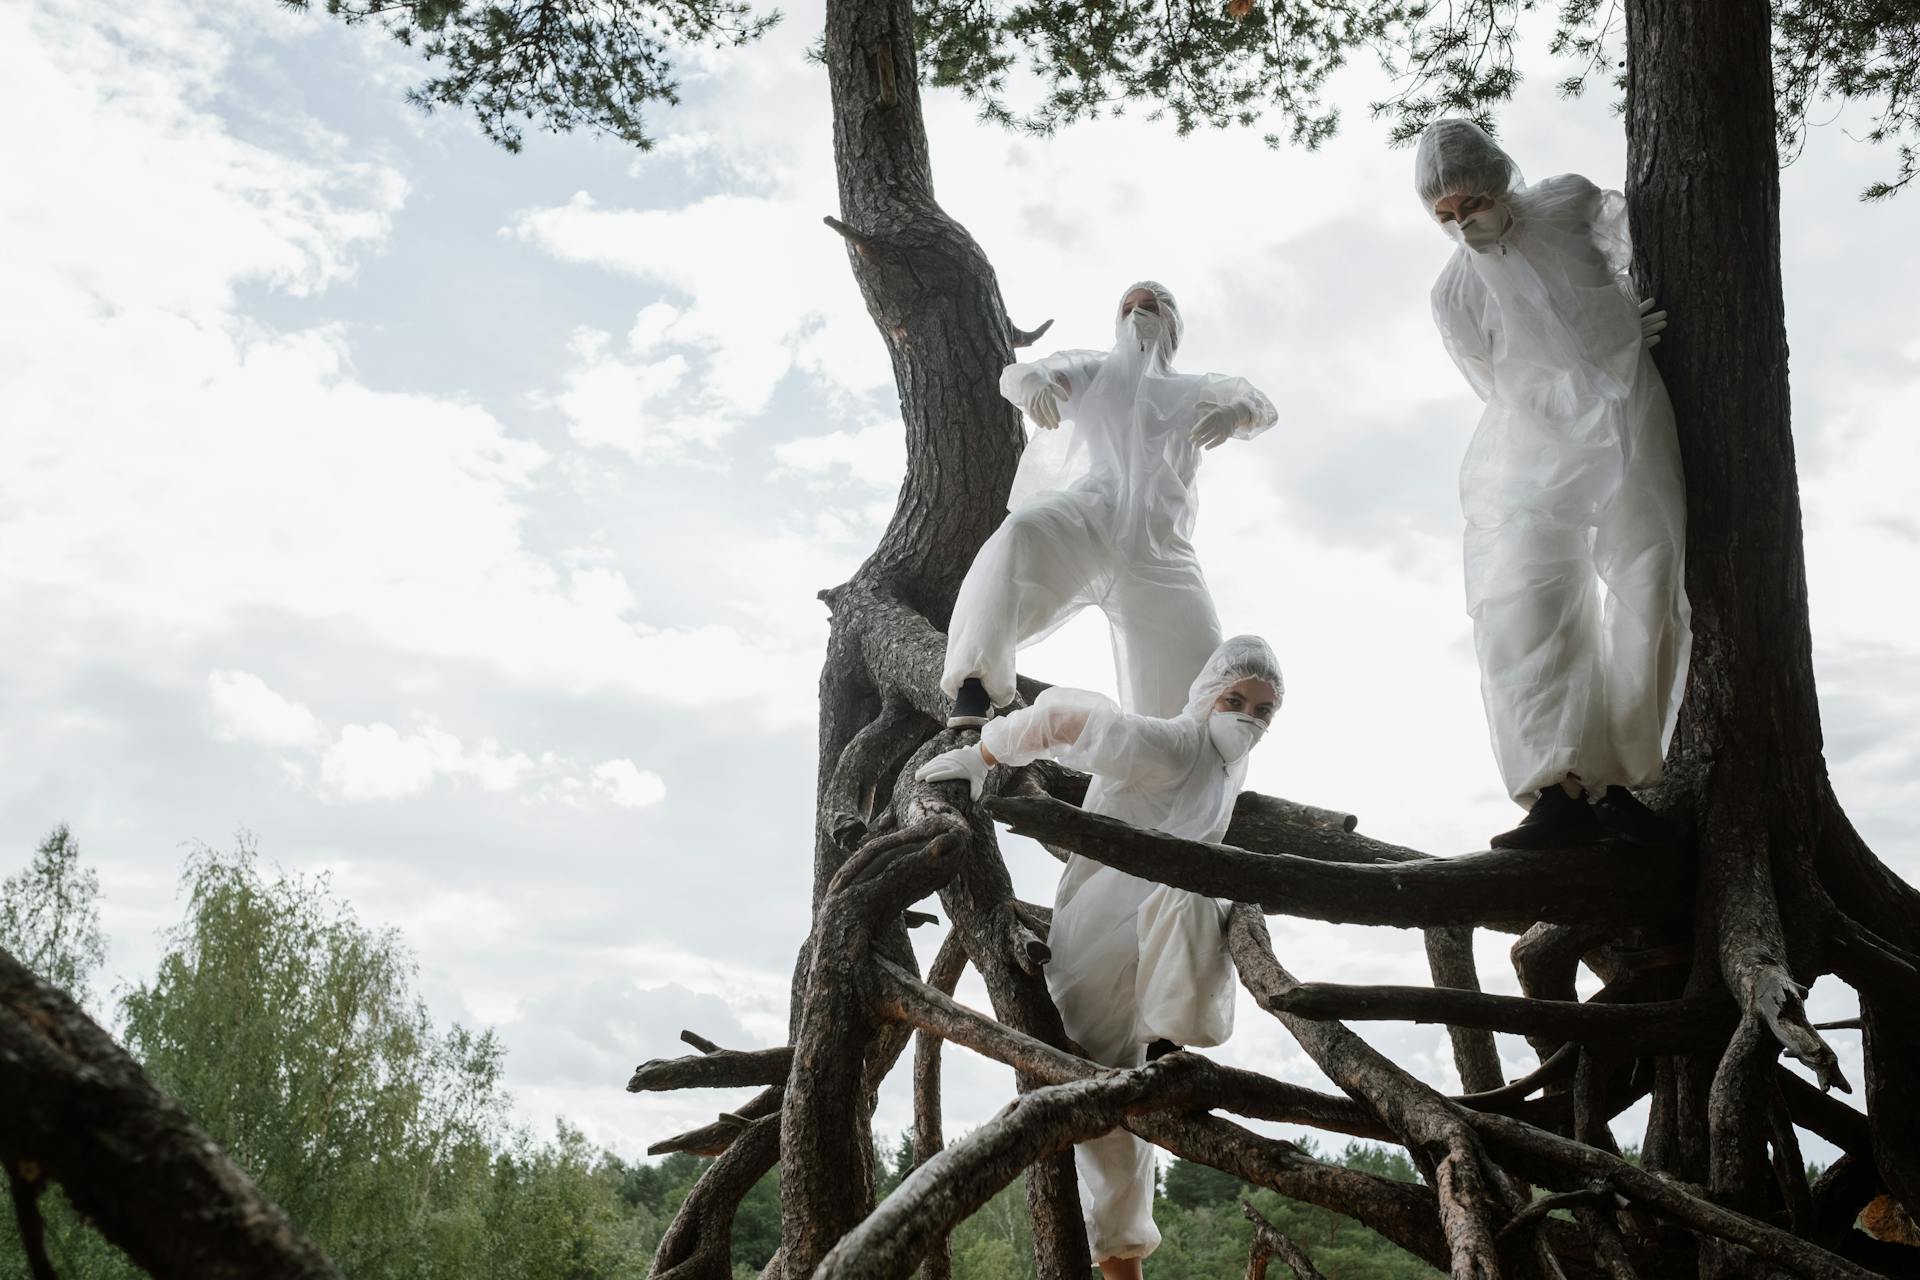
pixel 1101 513
pixel 1572 489
pixel 1134 961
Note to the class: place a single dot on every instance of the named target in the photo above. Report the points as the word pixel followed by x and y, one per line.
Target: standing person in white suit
pixel 1572 489
pixel 1136 962
pixel 1102 513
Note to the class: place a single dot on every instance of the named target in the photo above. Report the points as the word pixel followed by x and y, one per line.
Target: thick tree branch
pixel 1613 884
pixel 714 1069
pixel 1664 1026
pixel 77 1108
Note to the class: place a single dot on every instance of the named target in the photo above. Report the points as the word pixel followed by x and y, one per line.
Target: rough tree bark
pixel 1787 890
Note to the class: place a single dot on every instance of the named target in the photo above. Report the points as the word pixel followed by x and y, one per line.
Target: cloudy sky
pixel 451 521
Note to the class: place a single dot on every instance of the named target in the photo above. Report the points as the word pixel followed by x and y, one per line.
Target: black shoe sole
pixel 1545 836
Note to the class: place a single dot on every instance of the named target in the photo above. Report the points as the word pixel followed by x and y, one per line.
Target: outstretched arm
pixel 1049 726
pixel 1082 730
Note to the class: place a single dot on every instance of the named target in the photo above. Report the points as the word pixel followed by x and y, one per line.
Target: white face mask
pixel 1234 734
pixel 1146 327
pixel 1480 231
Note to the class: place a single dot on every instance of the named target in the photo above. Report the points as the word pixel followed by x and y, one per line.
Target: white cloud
pixel 875 455
pixel 373 762
pixel 377 762
pixel 246 710
pixel 759 290
pixel 628 785
pixel 611 399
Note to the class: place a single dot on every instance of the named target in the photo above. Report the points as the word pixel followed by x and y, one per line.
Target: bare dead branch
pixel 1824 1114
pixel 79 1111
pixel 861 243
pixel 1475 1056
pixel 1524 1223
pixel 1027 337
pixel 943 975
pixel 715 1138
pixel 1270 1242
pixel 1554 1070
pixel 714 1068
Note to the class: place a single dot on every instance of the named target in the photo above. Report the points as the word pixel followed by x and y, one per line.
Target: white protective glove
pixel 1216 424
pixel 1042 396
pixel 1651 323
pixel 952 766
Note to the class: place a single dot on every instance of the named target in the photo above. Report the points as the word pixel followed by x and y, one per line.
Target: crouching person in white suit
pixel 1135 962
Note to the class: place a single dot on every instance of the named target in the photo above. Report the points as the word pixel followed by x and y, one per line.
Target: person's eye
pixel 1444 216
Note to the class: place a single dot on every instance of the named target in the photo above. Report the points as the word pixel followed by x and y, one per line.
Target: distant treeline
pixel 294 1034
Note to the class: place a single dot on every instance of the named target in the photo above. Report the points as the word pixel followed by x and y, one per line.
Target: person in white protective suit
pixel 1137 963
pixel 1101 513
pixel 1572 489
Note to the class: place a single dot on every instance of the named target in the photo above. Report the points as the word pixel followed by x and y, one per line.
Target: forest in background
pixel 294 1034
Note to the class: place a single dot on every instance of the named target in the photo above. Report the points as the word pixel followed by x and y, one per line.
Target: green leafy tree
pixel 290 1030
pixel 50 918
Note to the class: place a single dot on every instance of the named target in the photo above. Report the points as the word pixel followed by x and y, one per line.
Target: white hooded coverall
pixel 1134 961
pixel 1101 513
pixel 1572 488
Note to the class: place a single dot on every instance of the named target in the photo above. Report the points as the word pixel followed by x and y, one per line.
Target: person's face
pixel 1141 300
pixel 1458 208
pixel 1250 697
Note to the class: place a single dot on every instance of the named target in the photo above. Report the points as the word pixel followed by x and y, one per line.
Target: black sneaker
pixel 1622 814
pixel 971 706
pixel 1160 1049
pixel 1556 818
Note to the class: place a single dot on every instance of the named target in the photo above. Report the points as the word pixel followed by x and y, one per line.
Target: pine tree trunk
pixel 936 302
pixel 1786 890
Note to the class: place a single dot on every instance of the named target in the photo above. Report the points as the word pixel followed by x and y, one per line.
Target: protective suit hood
pixel 1169 312
pixel 1238 658
pixel 1457 158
